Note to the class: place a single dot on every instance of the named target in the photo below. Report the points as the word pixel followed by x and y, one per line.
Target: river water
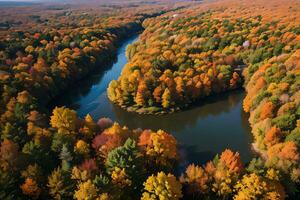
pixel 202 131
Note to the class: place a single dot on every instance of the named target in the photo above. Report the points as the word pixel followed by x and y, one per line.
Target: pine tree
pixel 127 157
pixel 8 184
pixel 65 157
pixel 60 185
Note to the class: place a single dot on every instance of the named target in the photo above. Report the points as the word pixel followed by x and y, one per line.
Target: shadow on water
pixel 83 87
pixel 211 106
pixel 190 154
pixel 204 130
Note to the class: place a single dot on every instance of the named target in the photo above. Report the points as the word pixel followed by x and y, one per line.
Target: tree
pixel 253 186
pixel 24 97
pixel 66 158
pixel 267 110
pixel 8 155
pixel 166 98
pixel 247 103
pixel 126 157
pixel 111 90
pixel 179 87
pixel 232 161
pixel 130 51
pixel 157 93
pixel 8 183
pixel 234 80
pixel 31 189
pixel 64 120
pixel 60 185
pixel 82 147
pixel 285 122
pixel 196 179
pixel 104 143
pixel 141 94
pixel 294 135
pixel 34 172
pixel 120 178
pixel 89 127
pixel 162 186
pixel 283 155
pixel 86 191
pixel 89 165
pixel 273 136
pixel 145 139
pixel 159 147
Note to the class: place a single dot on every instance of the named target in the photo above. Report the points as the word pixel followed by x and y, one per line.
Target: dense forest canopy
pixel 188 50
pixel 185 55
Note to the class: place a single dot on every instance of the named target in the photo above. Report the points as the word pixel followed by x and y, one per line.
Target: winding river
pixel 202 131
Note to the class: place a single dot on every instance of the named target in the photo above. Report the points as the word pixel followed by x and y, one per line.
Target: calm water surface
pixel 202 131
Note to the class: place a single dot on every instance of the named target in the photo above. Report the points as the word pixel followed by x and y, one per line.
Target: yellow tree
pixel 162 187
pixel 64 120
pixel 166 98
pixel 86 191
pixel 160 146
pixel 253 186
pixel 196 178
pixel 179 86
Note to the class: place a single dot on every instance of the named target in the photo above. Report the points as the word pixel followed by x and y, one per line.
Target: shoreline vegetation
pixel 161 111
pixel 179 108
pixel 185 53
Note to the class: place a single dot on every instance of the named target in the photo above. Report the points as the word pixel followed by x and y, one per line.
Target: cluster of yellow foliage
pixel 64 120
pixel 86 191
pixel 253 186
pixel 82 147
pixel 162 186
pixel 197 178
pixel 120 178
pixel 159 145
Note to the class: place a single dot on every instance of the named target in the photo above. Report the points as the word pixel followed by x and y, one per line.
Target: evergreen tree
pixel 60 185
pixel 127 157
pixel 66 158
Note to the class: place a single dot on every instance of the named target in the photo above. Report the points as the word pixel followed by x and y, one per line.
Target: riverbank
pixel 162 111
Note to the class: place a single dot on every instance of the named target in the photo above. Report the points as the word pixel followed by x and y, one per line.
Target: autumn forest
pixel 186 53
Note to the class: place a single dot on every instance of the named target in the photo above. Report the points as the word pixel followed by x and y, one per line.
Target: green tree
pixel 126 157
